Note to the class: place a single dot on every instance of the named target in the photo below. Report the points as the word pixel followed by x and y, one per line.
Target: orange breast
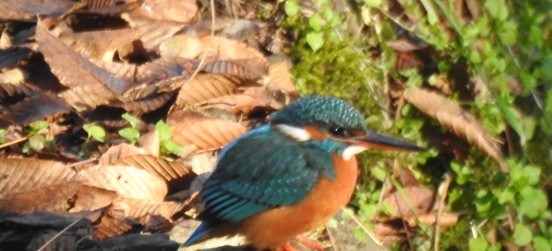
pixel 277 226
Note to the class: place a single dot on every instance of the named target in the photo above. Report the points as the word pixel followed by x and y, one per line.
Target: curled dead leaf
pixel 452 116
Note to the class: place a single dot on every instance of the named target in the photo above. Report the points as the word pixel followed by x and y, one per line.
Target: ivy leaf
pixel 292 8
pixel 315 40
pixel 478 244
pixel 522 235
pixel 541 244
pixel 533 202
pixel 95 131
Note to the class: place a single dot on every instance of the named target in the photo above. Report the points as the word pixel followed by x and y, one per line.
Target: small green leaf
pixel 131 119
pixel 478 244
pixel 541 244
pixel 379 173
pixel 315 40
pixel 36 142
pixel 316 22
pixel 130 134
pixel 533 202
pixel 172 147
pixel 164 130
pixel 292 7
pixel 95 131
pixel 505 196
pixel 522 235
pixel 3 131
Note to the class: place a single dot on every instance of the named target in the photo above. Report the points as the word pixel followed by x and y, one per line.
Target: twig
pixel 332 239
pixel 443 191
pixel 13 142
pixel 59 234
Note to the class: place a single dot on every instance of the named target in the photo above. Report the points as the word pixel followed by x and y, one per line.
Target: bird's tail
pixel 203 229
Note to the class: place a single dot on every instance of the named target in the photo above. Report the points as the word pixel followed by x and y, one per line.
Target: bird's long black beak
pixel 379 141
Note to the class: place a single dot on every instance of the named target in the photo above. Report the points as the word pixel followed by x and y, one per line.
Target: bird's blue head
pixel 330 119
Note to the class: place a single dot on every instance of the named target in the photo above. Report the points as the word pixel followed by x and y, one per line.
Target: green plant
pixel 95 132
pixel 132 134
pixel 504 51
pixel 165 137
pixel 38 138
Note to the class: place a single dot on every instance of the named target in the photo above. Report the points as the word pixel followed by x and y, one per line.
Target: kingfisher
pixel 289 176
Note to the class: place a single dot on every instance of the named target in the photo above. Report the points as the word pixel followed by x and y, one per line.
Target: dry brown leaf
pixel 138 208
pixel 117 152
pixel 275 97
pixel 151 34
pixel 237 103
pixel 67 197
pixel 110 226
pixel 127 181
pixel 150 142
pixel 167 170
pixel 452 116
pixel 278 73
pixel 27 10
pixel 216 48
pixel 182 11
pixel 203 132
pixel 247 69
pixel 23 175
pixel 79 74
pixel 205 87
pixel 402 45
pixel 148 104
pixel 33 108
pixel 411 201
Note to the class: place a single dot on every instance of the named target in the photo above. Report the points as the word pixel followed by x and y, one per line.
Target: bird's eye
pixel 340 132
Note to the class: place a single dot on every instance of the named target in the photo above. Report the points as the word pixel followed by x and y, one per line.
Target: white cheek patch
pixel 299 134
pixel 352 151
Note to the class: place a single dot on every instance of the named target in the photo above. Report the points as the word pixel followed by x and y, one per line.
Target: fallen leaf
pixel 138 208
pixel 167 170
pixel 19 175
pixel 66 197
pixel 410 201
pixel 89 84
pixel 127 181
pixel 203 132
pixel 117 152
pixel 205 87
pixel 452 116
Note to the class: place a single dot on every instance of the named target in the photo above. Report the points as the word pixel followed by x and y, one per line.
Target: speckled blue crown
pixel 324 111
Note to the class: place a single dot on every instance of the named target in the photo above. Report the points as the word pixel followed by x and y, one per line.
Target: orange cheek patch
pixel 316 134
